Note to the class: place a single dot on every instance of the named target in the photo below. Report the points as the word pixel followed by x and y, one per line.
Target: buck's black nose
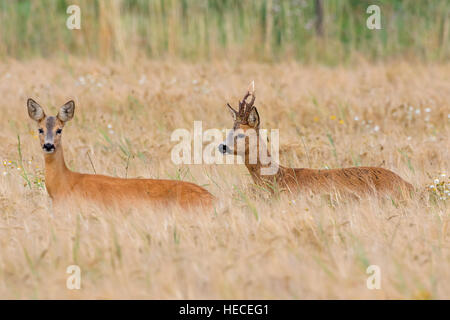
pixel 223 148
pixel 48 147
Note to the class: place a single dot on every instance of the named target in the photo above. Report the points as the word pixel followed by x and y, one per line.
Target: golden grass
pixel 260 247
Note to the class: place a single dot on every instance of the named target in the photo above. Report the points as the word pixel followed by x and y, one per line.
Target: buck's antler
pixel 244 106
pixel 232 110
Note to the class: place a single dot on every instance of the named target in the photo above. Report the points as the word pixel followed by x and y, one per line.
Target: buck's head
pixel 50 127
pixel 246 126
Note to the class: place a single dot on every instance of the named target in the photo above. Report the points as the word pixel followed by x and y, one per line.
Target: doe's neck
pixel 55 168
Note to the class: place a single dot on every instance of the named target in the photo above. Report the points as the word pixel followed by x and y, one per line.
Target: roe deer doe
pixel 357 181
pixel 63 184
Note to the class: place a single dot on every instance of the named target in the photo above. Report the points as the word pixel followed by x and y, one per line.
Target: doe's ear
pixel 66 111
pixel 35 111
pixel 253 118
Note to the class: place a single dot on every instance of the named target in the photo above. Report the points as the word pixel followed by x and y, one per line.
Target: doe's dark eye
pixel 58 131
pixel 41 131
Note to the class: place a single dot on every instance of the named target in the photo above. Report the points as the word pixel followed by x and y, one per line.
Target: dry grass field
pixel 393 115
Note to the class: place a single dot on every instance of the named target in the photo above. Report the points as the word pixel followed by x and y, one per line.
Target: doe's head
pixel 246 124
pixel 50 127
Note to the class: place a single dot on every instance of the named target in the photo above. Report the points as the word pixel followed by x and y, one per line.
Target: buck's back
pixel 355 180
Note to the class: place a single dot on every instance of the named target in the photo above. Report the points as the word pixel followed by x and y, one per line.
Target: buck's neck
pixel 257 168
pixel 56 172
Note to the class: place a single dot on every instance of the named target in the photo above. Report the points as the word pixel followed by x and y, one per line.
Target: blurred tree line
pixel 328 31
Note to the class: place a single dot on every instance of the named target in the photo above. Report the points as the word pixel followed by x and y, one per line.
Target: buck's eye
pixel 41 131
pixel 58 131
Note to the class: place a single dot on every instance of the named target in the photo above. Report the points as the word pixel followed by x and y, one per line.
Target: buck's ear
pixel 35 111
pixel 66 111
pixel 253 118
pixel 232 112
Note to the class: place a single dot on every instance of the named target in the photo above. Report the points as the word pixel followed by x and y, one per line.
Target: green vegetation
pixel 264 30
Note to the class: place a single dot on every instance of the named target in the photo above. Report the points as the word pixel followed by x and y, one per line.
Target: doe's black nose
pixel 48 147
pixel 223 148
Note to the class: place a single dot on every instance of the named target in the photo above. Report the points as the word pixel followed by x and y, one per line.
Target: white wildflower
pixel 142 80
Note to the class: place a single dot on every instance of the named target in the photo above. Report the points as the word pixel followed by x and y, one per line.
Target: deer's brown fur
pixel 355 181
pixel 64 185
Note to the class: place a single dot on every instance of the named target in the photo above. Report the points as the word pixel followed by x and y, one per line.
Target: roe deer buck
pixel 63 184
pixel 347 181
